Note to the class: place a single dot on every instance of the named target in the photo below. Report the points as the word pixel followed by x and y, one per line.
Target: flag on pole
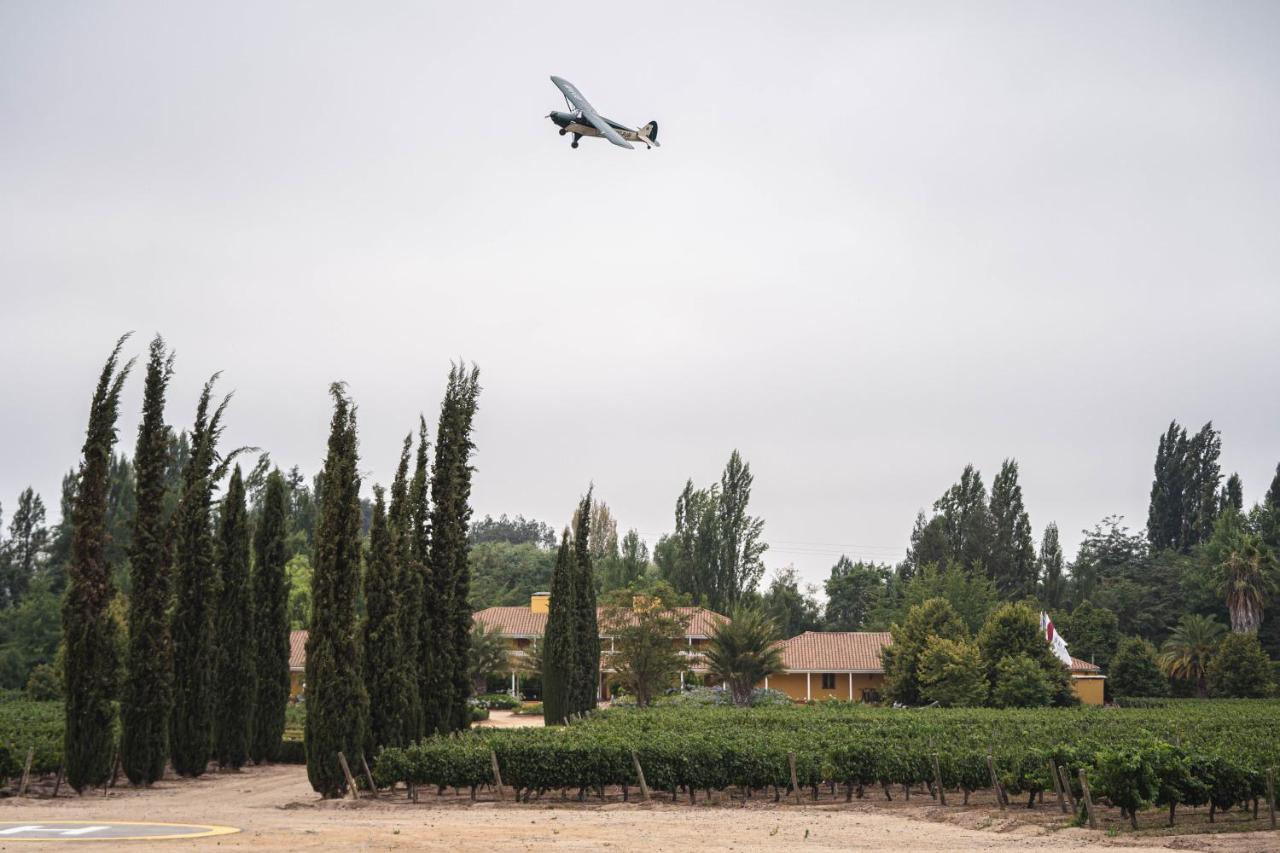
pixel 1056 643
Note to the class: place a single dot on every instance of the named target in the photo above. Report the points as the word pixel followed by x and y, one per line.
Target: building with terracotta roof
pixel 817 665
pixel 523 627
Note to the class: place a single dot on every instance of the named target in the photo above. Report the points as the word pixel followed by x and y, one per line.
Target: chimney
pixel 540 602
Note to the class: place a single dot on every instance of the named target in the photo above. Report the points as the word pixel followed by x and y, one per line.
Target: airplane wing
pixel 575 97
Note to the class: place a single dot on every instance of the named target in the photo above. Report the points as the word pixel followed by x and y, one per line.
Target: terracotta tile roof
pixel 1083 667
pixel 835 651
pixel 520 621
pixel 297 650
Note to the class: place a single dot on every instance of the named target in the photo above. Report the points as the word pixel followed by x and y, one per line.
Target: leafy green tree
pixel 384 678
pixel 1232 495
pixel 449 586
pixel 1165 512
pixel 793 610
pixel 1020 682
pixel 966 520
pixel 195 593
pixel 44 685
pixel 1245 570
pixel 631 564
pixel 645 657
pixel 88 630
pixel 21 556
pixel 29 634
pixel 950 672
pixel 1240 669
pixel 512 531
pixel 584 674
pixel 853 592
pixel 1012 561
pixel 271 621
pixel 969 592
pixel 1013 630
pixel 1135 670
pixel 507 574
pixel 1052 583
pixel 1186 654
pixel 298 571
pixel 743 651
pixel 337 704
pixel 148 686
pixel 934 617
pixel 558 653
pixel 1091 631
pixel 716 552
pixel 234 679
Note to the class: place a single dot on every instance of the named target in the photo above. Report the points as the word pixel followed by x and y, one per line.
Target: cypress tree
pixel 383 676
pixel 234 686
pixel 195 593
pixel 424 617
pixel 558 654
pixel 584 680
pixel 1012 561
pixel 271 622
pixel 90 667
pixel 148 686
pixel 409 578
pixel 337 705
pixel 450 574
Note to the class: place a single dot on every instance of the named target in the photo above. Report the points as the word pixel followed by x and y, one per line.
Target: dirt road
pixel 276 809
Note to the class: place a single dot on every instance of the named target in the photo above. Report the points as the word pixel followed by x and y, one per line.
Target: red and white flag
pixel 1056 643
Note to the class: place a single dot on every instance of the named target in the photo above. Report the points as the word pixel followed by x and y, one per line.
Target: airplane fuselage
pixel 574 123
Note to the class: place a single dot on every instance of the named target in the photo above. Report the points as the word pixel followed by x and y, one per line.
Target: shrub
pixel 44 685
pixel 1240 669
pixel 951 673
pixel 1020 683
pixel 498 701
pixel 1135 670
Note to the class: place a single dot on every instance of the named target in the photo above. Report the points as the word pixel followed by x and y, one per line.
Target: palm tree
pixel 489 654
pixel 743 651
pixel 1246 578
pixel 1187 652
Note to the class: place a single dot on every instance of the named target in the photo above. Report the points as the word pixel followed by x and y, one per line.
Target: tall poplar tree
pixel 337 704
pixel 400 522
pixel 1051 569
pixel 383 675
pixel 1164 514
pixel 1012 560
pixel 584 677
pixel 148 685
pixel 234 683
pixel 90 666
pixel 558 637
pixel 195 592
pixel 450 574
pixel 271 621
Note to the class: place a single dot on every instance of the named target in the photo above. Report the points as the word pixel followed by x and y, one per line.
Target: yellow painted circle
pixel 103 830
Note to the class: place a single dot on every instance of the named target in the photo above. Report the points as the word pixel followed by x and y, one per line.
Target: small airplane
pixel 585 121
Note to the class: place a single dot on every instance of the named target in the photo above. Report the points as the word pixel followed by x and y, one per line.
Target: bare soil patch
pixel 276 809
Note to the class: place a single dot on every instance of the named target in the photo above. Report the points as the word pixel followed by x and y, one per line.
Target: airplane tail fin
pixel 649 133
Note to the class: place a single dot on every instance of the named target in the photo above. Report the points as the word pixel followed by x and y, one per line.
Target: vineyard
pixel 1184 754
pixel 24 725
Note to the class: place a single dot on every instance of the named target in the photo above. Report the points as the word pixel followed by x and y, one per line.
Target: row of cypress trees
pixel 188 591
pixel 571 645
pixel 401 673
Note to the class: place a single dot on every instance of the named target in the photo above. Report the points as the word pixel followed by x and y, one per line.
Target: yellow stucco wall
pixel 295 683
pixel 1088 689
pixel 793 684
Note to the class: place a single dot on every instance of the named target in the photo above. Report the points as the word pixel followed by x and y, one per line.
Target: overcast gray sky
pixel 879 241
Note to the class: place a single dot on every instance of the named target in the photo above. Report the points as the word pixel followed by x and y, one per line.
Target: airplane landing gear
pixel 563 131
pixel 576 137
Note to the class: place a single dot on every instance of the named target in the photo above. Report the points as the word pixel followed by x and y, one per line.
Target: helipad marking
pixel 85 830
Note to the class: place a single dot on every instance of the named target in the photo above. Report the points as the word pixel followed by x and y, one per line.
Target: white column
pixel 851 687
pixel 808 686
pixel 682 679
pixel 766 682
pixel 513 682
